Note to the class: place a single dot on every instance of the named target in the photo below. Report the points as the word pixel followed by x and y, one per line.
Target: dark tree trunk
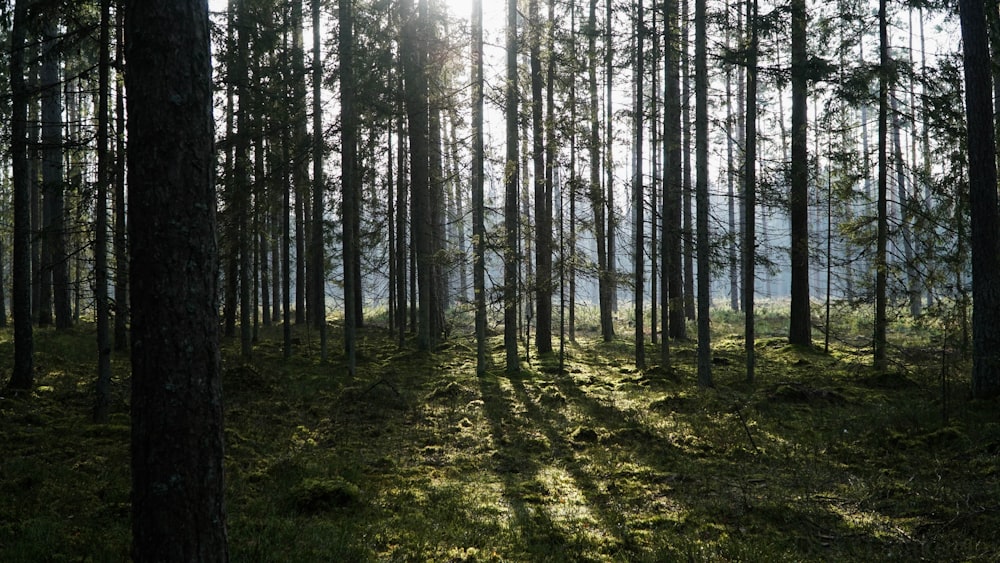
pixel 242 185
pixel 22 376
pixel 177 438
pixel 687 190
pixel 983 203
pixel 800 322
pixel 102 401
pixel 673 280
pixel 55 263
pixel 750 195
pixel 511 178
pixel 597 200
pixel 638 193
pixel 478 203
pixel 542 188
pixel 881 266
pixel 417 110
pixel 121 308
pixel 701 180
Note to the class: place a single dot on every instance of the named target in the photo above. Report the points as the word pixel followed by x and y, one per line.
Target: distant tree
pixel 982 201
pixel 22 376
pixel 177 438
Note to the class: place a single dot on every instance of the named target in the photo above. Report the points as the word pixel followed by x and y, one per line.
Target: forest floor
pixel 417 459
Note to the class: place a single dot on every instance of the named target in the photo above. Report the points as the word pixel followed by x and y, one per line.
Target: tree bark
pixel 177 437
pixel 983 203
pixel 511 196
pixel 638 193
pixel 22 376
pixel 102 400
pixel 881 266
pixel 701 192
pixel 800 321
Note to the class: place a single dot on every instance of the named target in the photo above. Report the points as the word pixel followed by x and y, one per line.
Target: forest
pixel 520 280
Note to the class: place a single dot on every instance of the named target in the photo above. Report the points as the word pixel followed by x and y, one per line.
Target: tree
pixel 750 194
pixel 22 376
pixel 800 321
pixel 672 287
pixel 510 197
pixel 55 285
pixel 478 205
pixel 982 201
pixel 348 160
pixel 103 398
pixel 177 438
pixel 701 192
pixel 638 199
pixel 881 266
pixel 543 190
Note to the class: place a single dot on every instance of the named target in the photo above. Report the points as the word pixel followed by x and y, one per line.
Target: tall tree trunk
pixel 734 284
pixel 55 261
pixel 687 189
pixel 654 133
pixel 242 187
pixel 800 321
pixel 574 181
pixel 418 115
pixel 638 193
pixel 103 389
pixel 701 180
pixel 401 224
pixel 478 203
pixel 673 263
pixel 300 167
pixel 348 149
pixel 609 170
pixel 881 264
pixel 905 205
pixel 983 203
pixel 23 374
pixel 177 437
pixel 121 307
pixel 543 183
pixel 750 196
pixel 511 196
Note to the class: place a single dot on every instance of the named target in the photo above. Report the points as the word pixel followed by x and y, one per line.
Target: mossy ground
pixel 417 459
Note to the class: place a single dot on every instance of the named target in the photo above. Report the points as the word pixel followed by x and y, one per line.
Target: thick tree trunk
pixel 22 375
pixel 800 321
pixel 177 438
pixel 983 203
pixel 543 191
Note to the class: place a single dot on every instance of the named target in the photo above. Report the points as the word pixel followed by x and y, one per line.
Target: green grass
pixel 417 459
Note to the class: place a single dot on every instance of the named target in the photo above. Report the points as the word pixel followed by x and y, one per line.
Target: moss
pixel 316 494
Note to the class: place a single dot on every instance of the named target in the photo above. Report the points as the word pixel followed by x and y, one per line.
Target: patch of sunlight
pixel 568 507
pixel 868 522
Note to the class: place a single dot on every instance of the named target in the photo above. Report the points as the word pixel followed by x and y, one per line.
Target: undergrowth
pixel 417 459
